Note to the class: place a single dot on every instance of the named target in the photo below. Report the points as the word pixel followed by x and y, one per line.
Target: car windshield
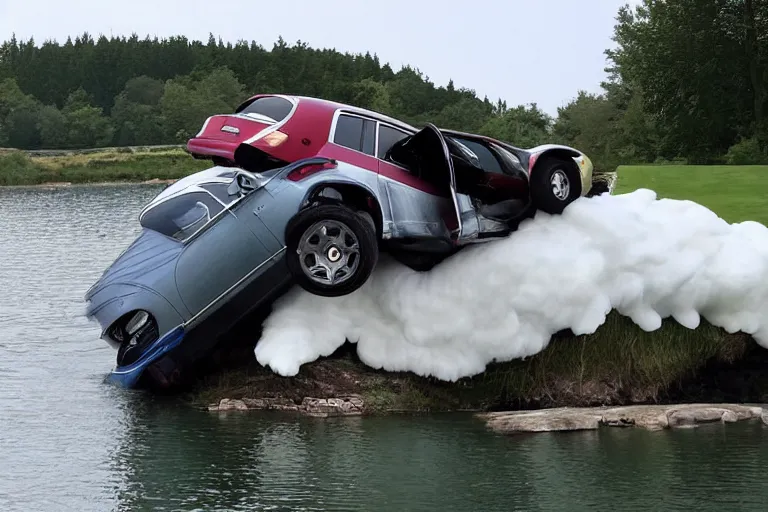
pixel 270 109
pixel 511 159
pixel 182 216
pixel 212 175
pixel 483 157
pixel 468 153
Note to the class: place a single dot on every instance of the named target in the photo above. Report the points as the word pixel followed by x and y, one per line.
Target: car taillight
pixel 532 162
pixel 306 170
pixel 275 138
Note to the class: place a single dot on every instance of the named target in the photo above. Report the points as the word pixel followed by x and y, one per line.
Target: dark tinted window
pixel 387 138
pixel 355 133
pixel 487 159
pixel 369 137
pixel 270 106
pixel 349 132
pixel 182 216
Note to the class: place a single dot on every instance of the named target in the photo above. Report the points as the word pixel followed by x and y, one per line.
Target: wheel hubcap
pixel 333 254
pixel 561 186
pixel 329 252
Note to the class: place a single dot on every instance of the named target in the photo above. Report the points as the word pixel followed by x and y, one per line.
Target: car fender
pixel 582 162
pixel 345 179
pixel 344 186
pixel 117 299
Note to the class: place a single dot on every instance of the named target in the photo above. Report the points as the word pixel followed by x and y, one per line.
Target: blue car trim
pixel 128 376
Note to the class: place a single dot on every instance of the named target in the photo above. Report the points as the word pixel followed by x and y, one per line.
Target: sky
pixel 522 51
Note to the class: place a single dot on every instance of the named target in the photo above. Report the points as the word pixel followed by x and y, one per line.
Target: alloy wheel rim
pixel 561 185
pixel 329 252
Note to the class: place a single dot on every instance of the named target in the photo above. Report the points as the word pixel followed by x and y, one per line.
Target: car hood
pixel 136 265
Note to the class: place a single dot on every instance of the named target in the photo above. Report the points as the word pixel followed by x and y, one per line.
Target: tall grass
pixel 619 363
pixel 19 168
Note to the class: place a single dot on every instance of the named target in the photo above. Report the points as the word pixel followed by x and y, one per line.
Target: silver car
pixel 219 243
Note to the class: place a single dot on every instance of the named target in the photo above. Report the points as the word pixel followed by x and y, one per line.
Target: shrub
pixel 16 168
pixel 746 152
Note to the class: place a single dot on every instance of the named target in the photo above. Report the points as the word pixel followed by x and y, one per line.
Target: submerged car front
pixel 136 301
pixel 136 305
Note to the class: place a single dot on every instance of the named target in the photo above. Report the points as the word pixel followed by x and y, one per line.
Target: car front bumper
pixel 586 168
pixel 128 376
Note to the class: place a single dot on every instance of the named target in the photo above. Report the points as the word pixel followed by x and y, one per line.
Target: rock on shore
pixel 651 417
pixel 319 407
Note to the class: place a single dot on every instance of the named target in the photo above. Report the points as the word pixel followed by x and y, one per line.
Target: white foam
pixel 647 258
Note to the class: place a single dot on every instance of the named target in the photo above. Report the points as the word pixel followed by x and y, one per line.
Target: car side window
pixel 355 133
pixel 388 136
pixel 182 216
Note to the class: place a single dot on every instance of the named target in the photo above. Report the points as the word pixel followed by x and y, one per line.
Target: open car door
pixel 426 155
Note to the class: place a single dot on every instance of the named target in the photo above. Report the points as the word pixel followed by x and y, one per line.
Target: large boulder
pixel 651 417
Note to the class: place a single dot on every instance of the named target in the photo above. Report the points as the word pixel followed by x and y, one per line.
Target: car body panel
pixel 133 280
pixel 203 271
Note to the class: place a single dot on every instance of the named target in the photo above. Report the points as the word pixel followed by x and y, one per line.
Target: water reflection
pixel 57 420
pixel 179 459
pixel 69 442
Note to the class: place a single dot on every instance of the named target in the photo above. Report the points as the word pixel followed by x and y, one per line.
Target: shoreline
pixel 667 368
pixel 68 184
pixel 649 417
pixel 98 168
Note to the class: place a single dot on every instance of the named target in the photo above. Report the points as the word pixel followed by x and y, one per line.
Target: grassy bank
pixel 619 364
pixel 736 193
pixel 95 166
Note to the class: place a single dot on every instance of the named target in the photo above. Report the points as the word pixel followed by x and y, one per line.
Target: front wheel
pixel 331 249
pixel 554 185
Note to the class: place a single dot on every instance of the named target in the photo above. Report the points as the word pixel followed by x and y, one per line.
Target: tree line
pixel 687 81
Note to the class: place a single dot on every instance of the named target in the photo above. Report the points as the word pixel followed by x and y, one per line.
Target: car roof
pixel 476 136
pixel 330 107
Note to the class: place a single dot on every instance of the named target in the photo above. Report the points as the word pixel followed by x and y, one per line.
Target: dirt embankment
pixel 618 365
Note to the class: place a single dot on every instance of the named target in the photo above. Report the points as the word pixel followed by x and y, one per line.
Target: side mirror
pixel 245 183
pixel 242 184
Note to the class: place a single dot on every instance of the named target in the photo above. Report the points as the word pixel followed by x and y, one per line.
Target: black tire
pixel 360 226
pixel 544 198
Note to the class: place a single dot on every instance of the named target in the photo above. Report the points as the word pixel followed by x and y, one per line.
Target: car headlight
pixel 138 321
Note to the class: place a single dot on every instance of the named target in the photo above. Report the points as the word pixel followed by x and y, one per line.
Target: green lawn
pixel 735 193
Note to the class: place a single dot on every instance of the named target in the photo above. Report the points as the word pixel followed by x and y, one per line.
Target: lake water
pixel 70 442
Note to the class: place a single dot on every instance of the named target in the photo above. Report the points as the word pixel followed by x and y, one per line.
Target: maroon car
pixel 272 130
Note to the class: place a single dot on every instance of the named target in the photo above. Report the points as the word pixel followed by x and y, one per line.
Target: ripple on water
pixel 69 442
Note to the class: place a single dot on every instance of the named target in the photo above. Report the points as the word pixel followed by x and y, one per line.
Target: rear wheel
pixel 331 249
pixel 554 185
